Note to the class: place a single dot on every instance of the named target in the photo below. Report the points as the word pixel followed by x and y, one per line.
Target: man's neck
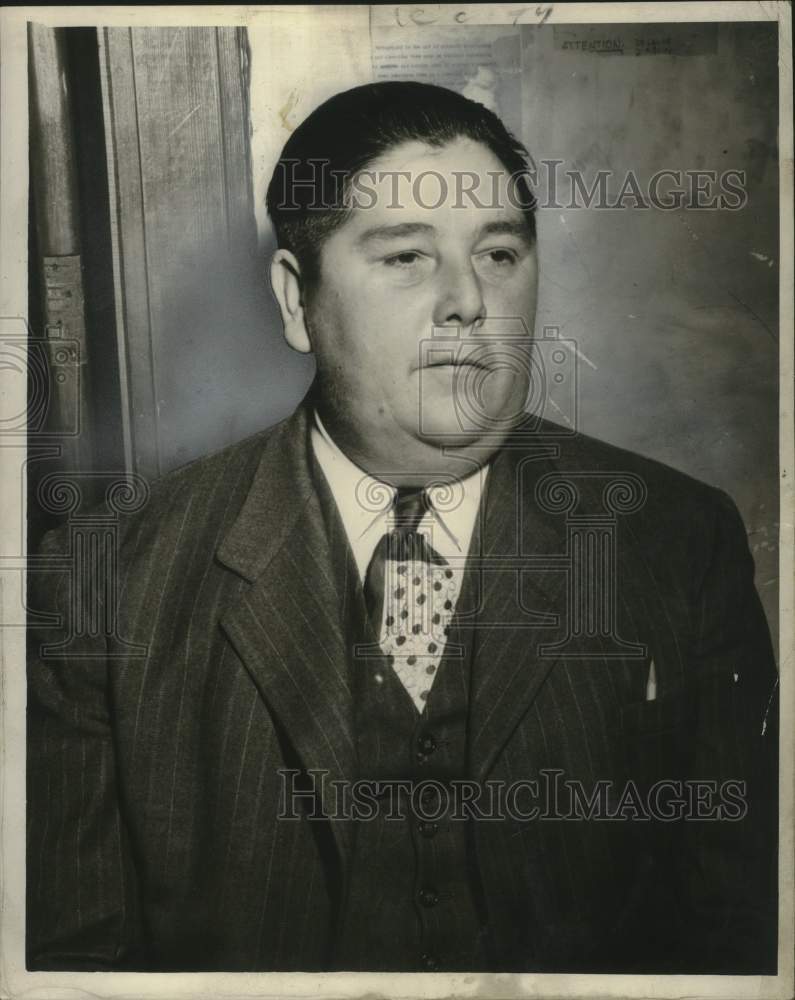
pixel 364 502
pixel 420 464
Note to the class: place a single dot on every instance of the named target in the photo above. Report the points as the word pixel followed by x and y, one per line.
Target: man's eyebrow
pixel 395 232
pixel 507 227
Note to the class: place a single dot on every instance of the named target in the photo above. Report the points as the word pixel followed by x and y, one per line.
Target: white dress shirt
pixel 365 505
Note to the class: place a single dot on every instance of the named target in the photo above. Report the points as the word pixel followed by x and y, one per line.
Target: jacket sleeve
pixel 82 909
pixel 728 862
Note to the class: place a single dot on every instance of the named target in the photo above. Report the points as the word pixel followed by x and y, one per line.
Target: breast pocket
pixel 675 710
pixel 659 736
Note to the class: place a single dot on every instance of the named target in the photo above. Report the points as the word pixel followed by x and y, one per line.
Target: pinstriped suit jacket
pixel 154 841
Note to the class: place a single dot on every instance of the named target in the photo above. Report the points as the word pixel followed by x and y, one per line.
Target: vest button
pixel 428 829
pixel 426 744
pixel 429 798
pixel 429 962
pixel 429 897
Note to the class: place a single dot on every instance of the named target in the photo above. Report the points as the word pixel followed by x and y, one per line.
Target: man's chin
pixel 450 439
pixel 452 431
pixel 453 445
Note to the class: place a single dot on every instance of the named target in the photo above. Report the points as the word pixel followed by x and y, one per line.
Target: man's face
pixel 395 273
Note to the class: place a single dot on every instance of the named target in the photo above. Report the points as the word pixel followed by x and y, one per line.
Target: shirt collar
pixel 365 504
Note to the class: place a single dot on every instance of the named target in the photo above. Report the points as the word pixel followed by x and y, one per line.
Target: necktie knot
pixel 409 507
pixel 403 544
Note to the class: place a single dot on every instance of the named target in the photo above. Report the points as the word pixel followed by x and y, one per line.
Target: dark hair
pixel 306 197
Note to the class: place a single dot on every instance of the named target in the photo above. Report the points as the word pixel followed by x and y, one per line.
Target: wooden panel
pixel 128 235
pixel 59 263
pixel 233 62
pixel 52 145
pixel 177 120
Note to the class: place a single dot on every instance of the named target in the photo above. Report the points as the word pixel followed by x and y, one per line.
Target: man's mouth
pixel 463 363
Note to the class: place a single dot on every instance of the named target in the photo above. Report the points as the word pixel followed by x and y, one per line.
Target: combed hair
pixel 306 197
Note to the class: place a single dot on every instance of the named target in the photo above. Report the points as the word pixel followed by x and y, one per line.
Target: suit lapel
pixel 288 626
pixel 512 661
pixel 518 610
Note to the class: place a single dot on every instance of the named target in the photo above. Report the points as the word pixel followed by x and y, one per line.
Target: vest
pixel 411 902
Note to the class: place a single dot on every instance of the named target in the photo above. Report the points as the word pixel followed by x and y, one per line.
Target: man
pixel 414 680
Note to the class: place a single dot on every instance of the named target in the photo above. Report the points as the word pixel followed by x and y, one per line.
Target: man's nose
pixel 460 301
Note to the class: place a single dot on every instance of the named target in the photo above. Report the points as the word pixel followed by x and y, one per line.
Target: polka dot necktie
pixel 410 594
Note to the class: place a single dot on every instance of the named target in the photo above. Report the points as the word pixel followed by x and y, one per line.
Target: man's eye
pixel 496 264
pixel 501 256
pixel 405 259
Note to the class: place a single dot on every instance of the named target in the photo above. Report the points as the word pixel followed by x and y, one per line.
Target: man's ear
pixel 288 288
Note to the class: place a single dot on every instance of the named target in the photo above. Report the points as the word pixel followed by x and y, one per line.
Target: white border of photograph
pixel 15 981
